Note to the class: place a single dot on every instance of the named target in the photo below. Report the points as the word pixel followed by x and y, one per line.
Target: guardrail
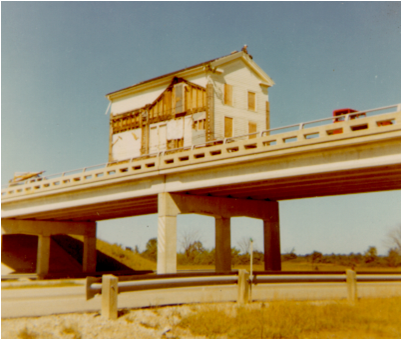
pixel 109 286
pixel 353 125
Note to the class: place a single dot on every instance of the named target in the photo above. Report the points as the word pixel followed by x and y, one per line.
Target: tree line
pixel 196 254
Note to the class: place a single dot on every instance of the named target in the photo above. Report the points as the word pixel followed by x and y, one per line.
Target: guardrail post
pixel 109 297
pixel 243 292
pixel 351 285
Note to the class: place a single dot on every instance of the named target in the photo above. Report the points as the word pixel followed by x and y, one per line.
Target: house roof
pixel 216 62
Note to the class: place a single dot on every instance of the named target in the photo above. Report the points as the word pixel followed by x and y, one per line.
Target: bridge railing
pixel 327 129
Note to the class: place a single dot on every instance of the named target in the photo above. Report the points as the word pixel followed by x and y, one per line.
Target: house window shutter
pixel 251 101
pixel 228 94
pixel 228 127
pixel 252 127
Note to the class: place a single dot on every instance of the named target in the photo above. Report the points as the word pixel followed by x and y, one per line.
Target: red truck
pixel 340 113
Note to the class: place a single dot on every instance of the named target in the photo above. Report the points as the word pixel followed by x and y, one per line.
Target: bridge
pixel 237 176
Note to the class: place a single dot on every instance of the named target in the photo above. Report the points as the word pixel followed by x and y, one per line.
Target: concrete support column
pixel 43 255
pixel 167 235
pixel 2 233
pixel 89 257
pixel 223 260
pixel 272 243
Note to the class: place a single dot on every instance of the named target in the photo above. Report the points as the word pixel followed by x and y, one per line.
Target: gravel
pixel 152 323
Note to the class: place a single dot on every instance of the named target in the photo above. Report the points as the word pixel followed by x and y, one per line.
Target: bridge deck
pixel 352 156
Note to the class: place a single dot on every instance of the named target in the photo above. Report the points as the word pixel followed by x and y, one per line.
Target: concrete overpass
pixel 238 176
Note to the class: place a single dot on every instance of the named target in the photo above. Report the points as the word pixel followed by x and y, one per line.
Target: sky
pixel 59 59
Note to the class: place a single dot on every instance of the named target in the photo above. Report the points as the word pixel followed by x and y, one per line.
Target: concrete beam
pixel 219 206
pixel 9 226
pixel 170 205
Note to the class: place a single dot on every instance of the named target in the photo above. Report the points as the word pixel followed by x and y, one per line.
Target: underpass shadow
pixel 19 256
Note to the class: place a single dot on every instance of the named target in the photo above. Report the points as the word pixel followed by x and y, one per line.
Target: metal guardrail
pixel 150 161
pixel 93 285
pixel 110 286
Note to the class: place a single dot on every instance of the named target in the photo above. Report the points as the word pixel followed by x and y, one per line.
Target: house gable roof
pixel 214 64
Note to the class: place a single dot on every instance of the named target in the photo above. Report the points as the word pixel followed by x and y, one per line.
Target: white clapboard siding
pixel 188 127
pixel 243 80
pixel 136 101
pixel 126 144
pixel 157 137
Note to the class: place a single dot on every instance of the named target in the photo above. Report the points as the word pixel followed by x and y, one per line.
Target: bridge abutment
pixel 45 229
pixel 222 208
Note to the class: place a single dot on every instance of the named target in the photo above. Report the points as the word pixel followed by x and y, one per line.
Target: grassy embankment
pixel 369 318
pixel 126 257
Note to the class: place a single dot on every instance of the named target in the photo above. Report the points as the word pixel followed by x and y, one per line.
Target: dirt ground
pixel 153 323
pixel 369 318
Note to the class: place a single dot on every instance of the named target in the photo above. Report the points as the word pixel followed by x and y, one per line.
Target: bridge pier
pixel 167 243
pixel 272 242
pixel 45 229
pixel 223 252
pixel 89 256
pixel 43 255
pixel 222 208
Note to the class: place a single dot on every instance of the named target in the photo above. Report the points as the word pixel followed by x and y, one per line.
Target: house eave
pixel 160 81
pixel 212 65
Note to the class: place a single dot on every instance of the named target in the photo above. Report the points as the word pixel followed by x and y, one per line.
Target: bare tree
pixel 188 238
pixel 393 240
pixel 244 245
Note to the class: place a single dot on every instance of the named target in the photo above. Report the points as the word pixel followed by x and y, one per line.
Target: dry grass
pixel 294 266
pixel 150 325
pixel 124 256
pixel 27 334
pixel 66 283
pixel 369 318
pixel 71 331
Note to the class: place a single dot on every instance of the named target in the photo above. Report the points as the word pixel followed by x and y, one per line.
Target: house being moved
pixel 219 98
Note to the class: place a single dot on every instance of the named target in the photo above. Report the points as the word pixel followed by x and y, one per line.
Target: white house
pixel 219 98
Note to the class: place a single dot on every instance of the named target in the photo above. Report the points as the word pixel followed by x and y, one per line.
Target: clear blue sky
pixel 59 59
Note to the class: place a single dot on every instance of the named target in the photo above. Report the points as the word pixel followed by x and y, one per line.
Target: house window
pixel 252 127
pixel 228 127
pixel 251 101
pixel 228 94
pixel 179 97
pixel 199 124
pixel 175 143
